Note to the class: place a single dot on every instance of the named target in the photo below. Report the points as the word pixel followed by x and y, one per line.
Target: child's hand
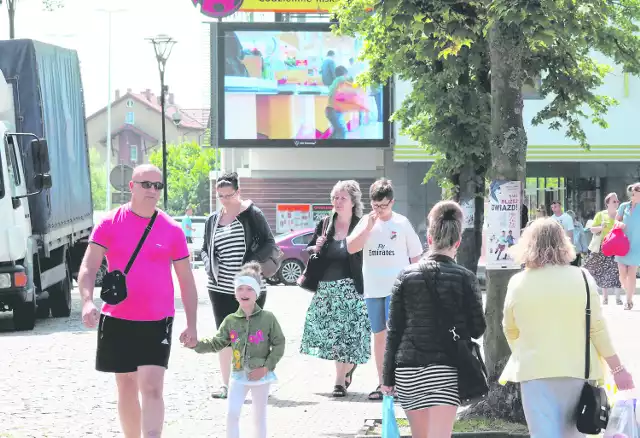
pixel 258 373
pixel 202 347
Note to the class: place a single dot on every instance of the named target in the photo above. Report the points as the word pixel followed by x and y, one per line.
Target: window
pixel 130 118
pixel 129 103
pixel 133 153
pixel 12 164
pixel 302 240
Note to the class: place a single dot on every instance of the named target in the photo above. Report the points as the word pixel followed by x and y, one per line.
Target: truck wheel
pixel 60 297
pixel 24 316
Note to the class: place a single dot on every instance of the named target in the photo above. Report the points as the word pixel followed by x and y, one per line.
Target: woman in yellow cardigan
pixel 544 323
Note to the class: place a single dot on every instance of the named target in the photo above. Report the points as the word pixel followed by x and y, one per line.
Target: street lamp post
pixel 162 45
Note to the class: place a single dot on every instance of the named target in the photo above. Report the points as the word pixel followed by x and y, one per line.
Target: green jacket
pixel 256 342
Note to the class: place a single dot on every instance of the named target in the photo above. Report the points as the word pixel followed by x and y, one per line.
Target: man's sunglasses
pixel 148 184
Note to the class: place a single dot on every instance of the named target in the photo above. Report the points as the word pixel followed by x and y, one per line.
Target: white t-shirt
pixel 565 220
pixel 387 252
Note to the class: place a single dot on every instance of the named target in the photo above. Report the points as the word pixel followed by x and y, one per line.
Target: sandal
pixel 221 393
pixel 339 391
pixel 605 301
pixel 628 306
pixel 349 376
pixel 618 301
pixel 376 395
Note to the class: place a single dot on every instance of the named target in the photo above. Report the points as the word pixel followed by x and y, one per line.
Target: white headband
pixel 246 280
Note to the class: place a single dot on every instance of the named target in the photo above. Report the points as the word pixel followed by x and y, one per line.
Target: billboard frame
pixel 218 31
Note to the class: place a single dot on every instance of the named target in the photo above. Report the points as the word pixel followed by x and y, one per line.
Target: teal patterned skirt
pixel 337 326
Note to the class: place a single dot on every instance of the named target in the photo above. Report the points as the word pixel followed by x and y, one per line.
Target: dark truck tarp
pixel 49 103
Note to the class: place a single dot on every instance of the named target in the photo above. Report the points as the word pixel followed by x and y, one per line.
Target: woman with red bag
pixel 628 219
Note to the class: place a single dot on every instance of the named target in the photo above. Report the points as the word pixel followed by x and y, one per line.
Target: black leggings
pixel 226 304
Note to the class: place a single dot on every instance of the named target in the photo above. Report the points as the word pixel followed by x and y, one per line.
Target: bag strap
pixel 450 325
pixel 325 225
pixel 587 316
pixel 140 243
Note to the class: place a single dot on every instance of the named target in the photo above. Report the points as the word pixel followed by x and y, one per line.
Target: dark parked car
pixel 294 247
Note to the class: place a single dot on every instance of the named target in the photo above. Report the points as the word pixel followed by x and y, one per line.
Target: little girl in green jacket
pixel 257 342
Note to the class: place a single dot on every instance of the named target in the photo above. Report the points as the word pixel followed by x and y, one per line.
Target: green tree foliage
pixel 448 49
pixel 98 180
pixel 188 167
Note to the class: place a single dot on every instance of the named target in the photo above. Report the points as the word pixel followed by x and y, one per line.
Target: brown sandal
pixel 339 391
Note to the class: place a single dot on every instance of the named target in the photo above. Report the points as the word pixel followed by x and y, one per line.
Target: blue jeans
pixel 336 119
pixel 378 310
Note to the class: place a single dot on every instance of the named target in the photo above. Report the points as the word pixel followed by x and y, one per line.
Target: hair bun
pixel 449 215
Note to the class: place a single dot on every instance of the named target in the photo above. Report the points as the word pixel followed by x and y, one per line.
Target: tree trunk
pixel 508 162
pixel 471 184
pixel 11 8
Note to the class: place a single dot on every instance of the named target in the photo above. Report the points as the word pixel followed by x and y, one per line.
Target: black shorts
pixel 125 345
pixel 189 239
pixel 226 304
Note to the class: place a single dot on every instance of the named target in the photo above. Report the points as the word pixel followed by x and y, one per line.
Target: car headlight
pixel 5 281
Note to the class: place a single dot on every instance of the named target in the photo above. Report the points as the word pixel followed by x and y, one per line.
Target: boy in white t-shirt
pixel 389 244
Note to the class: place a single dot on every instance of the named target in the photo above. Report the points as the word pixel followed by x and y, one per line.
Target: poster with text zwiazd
pixel 503 223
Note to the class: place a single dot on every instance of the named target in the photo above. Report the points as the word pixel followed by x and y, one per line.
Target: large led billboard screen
pixel 294 84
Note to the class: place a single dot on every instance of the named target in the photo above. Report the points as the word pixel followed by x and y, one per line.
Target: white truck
pixel 46 210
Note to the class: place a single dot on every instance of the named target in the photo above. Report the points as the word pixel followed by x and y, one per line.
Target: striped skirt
pixel 425 387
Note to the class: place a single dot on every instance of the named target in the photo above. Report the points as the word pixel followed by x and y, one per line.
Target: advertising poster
pixel 319 211
pixel 292 217
pixel 297 86
pixel 468 213
pixel 503 223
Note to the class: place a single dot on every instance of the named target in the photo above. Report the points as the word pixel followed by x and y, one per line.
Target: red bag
pixel 615 243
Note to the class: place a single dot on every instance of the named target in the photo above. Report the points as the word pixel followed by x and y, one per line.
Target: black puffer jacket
pixel 417 336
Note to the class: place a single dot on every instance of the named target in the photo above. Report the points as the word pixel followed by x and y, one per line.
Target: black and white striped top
pixel 229 251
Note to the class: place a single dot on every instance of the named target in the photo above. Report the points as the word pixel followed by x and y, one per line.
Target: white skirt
pixel 242 377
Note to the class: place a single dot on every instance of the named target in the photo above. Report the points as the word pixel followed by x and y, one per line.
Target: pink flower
pixel 233 336
pixel 259 336
pixel 252 339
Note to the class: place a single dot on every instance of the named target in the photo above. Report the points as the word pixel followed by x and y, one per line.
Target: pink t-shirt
pixel 150 295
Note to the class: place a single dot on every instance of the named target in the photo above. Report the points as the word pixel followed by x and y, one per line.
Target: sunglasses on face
pixel 380 206
pixel 148 184
pixel 636 189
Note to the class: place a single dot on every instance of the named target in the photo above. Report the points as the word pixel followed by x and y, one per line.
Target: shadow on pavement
pixel 352 397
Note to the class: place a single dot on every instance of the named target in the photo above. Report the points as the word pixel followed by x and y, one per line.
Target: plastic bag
pixel 616 243
pixel 622 420
pixel 389 424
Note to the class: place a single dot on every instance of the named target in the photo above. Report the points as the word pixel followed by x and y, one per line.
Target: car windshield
pixel 2 173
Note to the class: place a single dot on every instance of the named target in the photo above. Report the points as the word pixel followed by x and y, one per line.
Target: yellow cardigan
pixel 544 324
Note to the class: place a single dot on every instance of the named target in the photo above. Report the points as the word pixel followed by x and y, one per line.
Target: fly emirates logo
pixel 381 250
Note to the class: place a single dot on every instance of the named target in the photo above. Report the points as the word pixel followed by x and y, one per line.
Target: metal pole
pixel 108 200
pixel 164 139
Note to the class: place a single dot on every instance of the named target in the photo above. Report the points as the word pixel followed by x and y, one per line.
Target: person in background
pixel 579 238
pixel 628 218
pixel 135 335
pixel 336 326
pixel 548 342
pixel 328 69
pixel 258 344
pixel 187 225
pixel 237 234
pixel 565 221
pixel 389 244
pixel 334 116
pixel 418 361
pixel 605 269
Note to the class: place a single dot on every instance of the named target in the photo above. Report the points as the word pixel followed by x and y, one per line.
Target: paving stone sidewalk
pixel 49 388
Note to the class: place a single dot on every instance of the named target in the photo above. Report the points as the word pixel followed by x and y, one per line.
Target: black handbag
pixel 114 283
pixel 316 266
pixel 473 381
pixel 271 262
pixel 593 407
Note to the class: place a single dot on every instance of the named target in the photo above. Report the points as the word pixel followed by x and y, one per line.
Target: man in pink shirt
pixel 134 336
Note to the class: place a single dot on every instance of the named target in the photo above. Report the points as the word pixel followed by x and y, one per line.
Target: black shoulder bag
pixel 473 382
pixel 114 283
pixel 593 407
pixel 316 266
pixel 271 262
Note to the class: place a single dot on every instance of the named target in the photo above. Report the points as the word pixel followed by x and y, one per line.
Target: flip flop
pixel 376 395
pixel 349 376
pixel 221 393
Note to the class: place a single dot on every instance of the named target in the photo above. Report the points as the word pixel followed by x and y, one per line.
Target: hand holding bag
pixel 390 427
pixel 114 283
pixel 623 420
pixel 593 407
pixel 473 381
pixel 616 243
pixel 315 266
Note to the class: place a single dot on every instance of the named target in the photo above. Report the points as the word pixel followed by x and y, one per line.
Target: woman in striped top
pixel 237 234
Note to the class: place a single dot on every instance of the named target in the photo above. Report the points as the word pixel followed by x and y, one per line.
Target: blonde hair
pixel 253 270
pixel 445 225
pixel 543 243
pixel 630 188
pixel 353 189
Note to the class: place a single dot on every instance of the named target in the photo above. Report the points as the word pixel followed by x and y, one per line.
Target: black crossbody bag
pixel 114 283
pixel 593 407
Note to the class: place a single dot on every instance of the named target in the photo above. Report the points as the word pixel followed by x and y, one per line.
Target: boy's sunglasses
pixel 148 184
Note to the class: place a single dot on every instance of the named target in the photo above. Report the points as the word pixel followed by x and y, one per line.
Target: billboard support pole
pixel 214 115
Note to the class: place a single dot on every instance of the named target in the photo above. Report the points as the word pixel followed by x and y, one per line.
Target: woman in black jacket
pixel 337 325
pixel 418 361
pixel 237 234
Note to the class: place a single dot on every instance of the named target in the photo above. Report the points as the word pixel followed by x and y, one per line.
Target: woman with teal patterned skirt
pixel 337 326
